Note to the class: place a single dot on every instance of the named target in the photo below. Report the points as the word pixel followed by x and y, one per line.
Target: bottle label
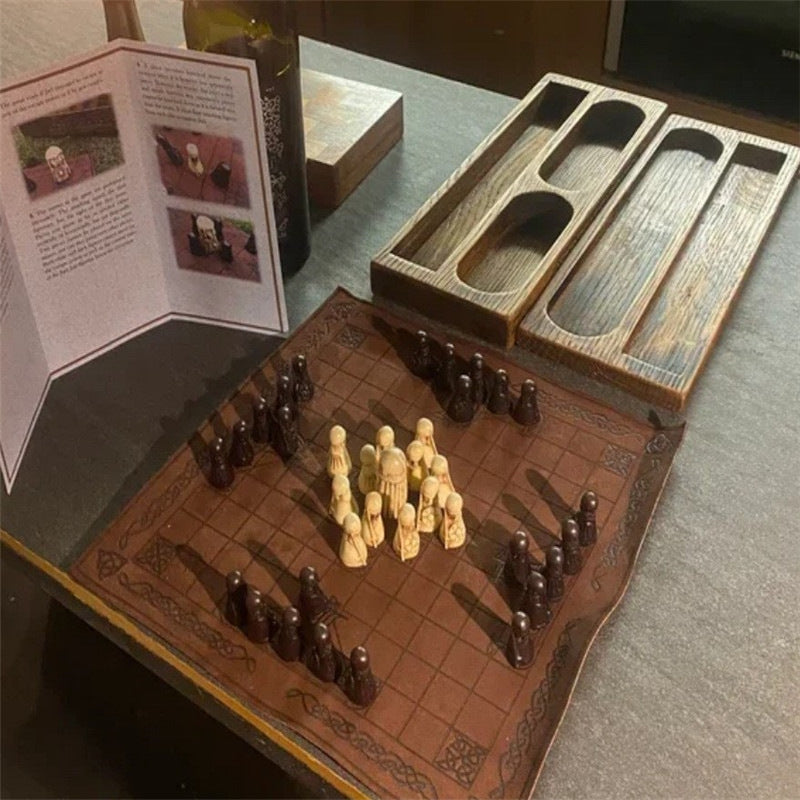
pixel 273 133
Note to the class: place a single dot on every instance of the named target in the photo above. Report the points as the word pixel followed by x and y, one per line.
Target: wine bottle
pixel 265 31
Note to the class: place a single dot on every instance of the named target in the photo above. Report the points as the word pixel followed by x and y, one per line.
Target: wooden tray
pixel 641 299
pixel 484 246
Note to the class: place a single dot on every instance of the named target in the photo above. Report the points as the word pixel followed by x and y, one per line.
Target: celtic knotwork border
pixel 595 418
pixel 461 759
pixel 188 620
pixel 510 761
pixel 405 774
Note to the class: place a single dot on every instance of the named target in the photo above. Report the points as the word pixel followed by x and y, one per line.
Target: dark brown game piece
pixel 241 454
pixel 570 543
pixel 422 361
pixel 519 650
pixel 587 519
pixel 250 244
pixel 526 409
pixel 221 474
pixel 261 424
pixel 447 370
pixel 195 245
pixel 360 685
pixel 477 374
pixel 218 228
pixel 461 407
pixel 235 609
pixel 221 175
pixel 30 184
pixel 534 601
pixel 499 398
pixel 287 640
pixel 286 440
pixel 303 385
pixel 518 560
pixel 322 659
pixel 554 572
pixel 173 154
pixel 226 252
pixel 284 394
pixel 312 602
pixel 257 624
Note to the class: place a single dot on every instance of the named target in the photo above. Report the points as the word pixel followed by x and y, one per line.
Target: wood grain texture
pixel 349 128
pixel 641 299
pixel 483 247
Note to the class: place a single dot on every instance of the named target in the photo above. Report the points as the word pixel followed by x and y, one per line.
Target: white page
pixel 219 110
pixel 87 252
pixel 22 391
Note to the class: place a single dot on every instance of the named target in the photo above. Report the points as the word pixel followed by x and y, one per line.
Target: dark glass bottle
pixel 265 31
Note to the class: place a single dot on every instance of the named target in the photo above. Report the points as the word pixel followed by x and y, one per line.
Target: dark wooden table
pixel 690 689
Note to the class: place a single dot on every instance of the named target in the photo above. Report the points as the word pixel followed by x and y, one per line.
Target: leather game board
pixel 452 718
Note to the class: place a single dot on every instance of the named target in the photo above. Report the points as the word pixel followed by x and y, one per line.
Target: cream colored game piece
pixel 417 470
pixel 342 500
pixel 368 474
pixel 372 522
pixel 339 462
pixel 429 515
pixel 424 434
pixel 384 439
pixel 352 548
pixel 440 470
pixel 453 531
pixel 393 480
pixel 406 537
pixel 193 161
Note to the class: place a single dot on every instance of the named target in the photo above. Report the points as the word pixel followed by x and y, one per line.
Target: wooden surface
pixel 452 718
pixel 349 128
pixel 641 299
pixel 488 241
pixel 688 689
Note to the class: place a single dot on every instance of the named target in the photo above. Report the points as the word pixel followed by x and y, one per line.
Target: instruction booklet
pixel 135 190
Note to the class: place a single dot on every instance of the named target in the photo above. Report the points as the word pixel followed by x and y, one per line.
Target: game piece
pixel 453 531
pixel 526 410
pixel 422 361
pixel 384 439
pixel 518 560
pixel 554 572
pixel 57 163
pixel 424 433
pixel 235 611
pixel 226 251
pixel 534 601
pixel 286 641
pixel 30 184
pixel 339 462
pixel 393 480
pixel 193 161
pixel 440 470
pixel 478 377
pixel 287 438
pixel 519 650
pixel 256 626
pixel 221 175
pixel 342 500
pixel 173 154
pixel 372 529
pixel 417 471
pixel 352 547
pixel 322 660
pixel 221 475
pixel 587 519
pixel 499 398
pixel 250 244
pixel 461 407
pixel 284 394
pixel 360 684
pixel 241 454
pixel 406 537
pixel 368 472
pixel 447 370
pixel 429 515
pixel 570 543
pixel 261 423
pixel 312 602
pixel 302 384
